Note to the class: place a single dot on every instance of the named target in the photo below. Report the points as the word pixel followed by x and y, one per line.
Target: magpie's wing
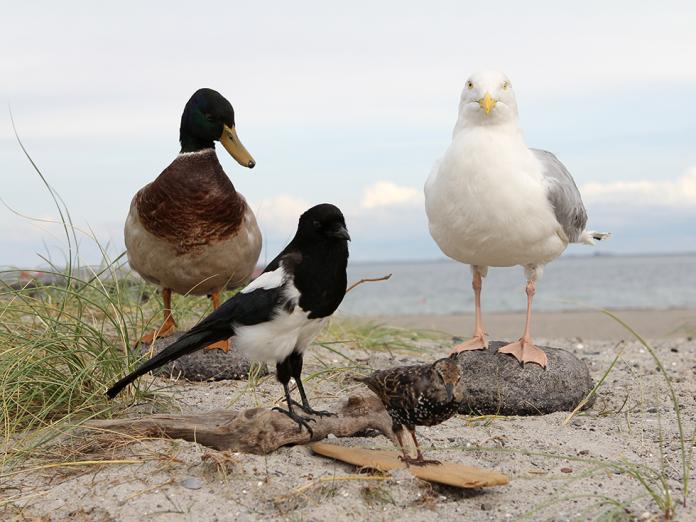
pixel 254 304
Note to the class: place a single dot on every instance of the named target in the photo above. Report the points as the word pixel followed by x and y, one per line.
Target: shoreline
pixel 586 325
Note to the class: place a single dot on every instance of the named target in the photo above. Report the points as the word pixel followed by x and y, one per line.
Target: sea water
pixel 568 283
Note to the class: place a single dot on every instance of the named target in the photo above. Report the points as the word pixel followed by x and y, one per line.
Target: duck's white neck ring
pixel 202 151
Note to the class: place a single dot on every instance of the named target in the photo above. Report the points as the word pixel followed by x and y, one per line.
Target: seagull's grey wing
pixel 563 195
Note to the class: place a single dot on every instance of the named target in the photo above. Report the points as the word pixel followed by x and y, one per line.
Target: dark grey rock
pixel 205 365
pixel 498 384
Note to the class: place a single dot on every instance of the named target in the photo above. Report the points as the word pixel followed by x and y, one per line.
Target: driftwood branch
pixel 257 430
pixel 368 280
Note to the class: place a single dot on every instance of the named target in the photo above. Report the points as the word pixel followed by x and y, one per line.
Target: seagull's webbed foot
pixel 477 342
pixel 311 411
pixel 525 351
pixel 299 419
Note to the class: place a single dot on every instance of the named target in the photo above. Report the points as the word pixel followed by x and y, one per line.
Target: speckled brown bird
pixel 190 231
pixel 422 395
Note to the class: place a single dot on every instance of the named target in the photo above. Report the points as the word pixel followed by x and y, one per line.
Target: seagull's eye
pixel 506 85
pixel 469 84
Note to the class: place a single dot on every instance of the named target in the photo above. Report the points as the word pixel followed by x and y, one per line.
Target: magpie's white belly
pixel 274 340
pixel 487 205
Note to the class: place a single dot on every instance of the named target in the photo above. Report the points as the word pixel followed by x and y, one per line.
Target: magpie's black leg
pixel 295 361
pixel 283 375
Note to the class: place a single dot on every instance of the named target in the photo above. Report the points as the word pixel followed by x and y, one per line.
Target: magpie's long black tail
pixel 190 342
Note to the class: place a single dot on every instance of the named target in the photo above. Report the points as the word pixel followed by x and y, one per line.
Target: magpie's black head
pixel 209 117
pixel 323 223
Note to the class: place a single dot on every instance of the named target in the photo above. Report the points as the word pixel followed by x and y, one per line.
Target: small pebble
pixel 566 470
pixel 192 483
pixel 486 506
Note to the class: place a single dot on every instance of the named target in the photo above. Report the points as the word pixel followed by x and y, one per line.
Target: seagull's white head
pixel 487 99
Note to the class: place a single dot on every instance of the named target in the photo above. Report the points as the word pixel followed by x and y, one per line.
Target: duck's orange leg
pixel 169 324
pixel 220 345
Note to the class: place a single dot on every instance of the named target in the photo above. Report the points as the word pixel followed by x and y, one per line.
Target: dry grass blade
pixel 70 465
pixel 594 389
pixel 686 457
pixel 368 280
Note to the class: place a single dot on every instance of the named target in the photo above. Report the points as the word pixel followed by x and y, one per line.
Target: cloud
pixel 387 194
pixel 278 215
pixel 677 193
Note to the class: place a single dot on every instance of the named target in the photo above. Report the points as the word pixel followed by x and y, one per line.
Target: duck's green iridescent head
pixel 209 117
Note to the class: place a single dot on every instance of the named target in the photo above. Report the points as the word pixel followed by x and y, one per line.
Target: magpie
pixel 278 314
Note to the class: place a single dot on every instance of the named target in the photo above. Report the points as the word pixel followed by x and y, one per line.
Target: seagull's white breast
pixel 486 202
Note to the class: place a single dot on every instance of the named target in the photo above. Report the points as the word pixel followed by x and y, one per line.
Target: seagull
pixel 278 314
pixel 422 395
pixel 493 201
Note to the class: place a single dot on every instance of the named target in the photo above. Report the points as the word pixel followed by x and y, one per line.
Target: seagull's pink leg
pixel 524 349
pixel 478 341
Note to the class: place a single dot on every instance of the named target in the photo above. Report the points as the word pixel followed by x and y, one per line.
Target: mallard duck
pixel 190 231
pixel 493 201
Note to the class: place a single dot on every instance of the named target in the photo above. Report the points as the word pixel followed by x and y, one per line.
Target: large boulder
pixel 498 384
pixel 205 365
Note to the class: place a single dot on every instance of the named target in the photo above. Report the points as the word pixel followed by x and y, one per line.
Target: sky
pixel 349 104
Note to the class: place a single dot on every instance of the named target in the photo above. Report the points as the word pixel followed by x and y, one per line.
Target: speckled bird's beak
pixel 230 141
pixel 449 389
pixel 487 103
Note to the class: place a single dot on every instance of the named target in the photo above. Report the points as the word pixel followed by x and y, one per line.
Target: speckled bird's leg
pixel 419 460
pixel 219 345
pixel 524 350
pixel 169 324
pixel 398 430
pixel 478 341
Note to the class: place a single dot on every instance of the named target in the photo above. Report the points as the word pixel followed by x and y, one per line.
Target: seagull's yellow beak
pixel 487 103
pixel 230 141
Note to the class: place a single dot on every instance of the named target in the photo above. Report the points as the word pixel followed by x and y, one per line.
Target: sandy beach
pixel 585 325
pixel 581 470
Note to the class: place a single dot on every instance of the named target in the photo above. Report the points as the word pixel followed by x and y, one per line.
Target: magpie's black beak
pixel 449 389
pixel 340 232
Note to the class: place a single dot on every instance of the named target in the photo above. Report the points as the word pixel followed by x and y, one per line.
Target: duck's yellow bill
pixel 230 141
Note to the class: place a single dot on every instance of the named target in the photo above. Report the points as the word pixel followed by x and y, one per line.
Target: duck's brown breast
pixel 191 203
